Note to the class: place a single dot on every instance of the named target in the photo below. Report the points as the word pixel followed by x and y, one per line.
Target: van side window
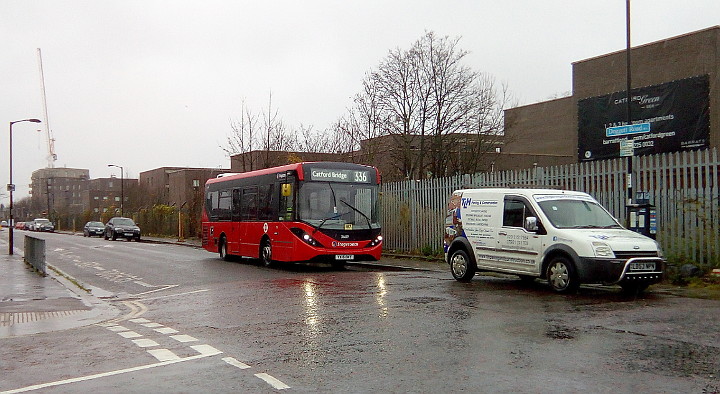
pixel 515 212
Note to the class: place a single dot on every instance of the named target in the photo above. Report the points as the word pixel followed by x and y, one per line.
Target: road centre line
pixel 235 363
pixel 173 295
pixel 106 374
pixel 269 379
pixel 165 287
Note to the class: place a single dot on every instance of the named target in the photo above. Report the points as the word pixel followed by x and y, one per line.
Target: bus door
pixel 235 236
pixel 249 228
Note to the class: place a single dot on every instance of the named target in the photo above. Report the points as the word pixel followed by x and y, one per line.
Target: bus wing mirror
pixel 531 223
pixel 286 190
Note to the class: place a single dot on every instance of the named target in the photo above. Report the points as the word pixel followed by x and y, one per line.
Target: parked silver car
pixel 42 224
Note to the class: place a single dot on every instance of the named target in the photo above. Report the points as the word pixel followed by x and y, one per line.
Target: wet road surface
pixel 191 322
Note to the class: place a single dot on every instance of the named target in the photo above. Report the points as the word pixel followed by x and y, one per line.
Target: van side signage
pixel 467 201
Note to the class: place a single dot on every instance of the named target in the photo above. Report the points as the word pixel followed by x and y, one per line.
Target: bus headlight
pixel 307 238
pixel 376 241
pixel 602 249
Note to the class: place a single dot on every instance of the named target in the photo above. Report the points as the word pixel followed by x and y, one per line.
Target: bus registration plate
pixel 343 257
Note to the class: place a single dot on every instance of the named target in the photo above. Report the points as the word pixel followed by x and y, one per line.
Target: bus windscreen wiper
pixel 358 211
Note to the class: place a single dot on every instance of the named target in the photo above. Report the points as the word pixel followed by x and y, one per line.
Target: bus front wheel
pixel 266 253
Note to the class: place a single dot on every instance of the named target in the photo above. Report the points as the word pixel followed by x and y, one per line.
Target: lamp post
pixel 11 186
pixel 122 188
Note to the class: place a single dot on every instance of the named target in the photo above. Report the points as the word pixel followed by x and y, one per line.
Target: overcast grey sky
pixel 145 84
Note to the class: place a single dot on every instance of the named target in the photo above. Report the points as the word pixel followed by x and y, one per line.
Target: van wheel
pixel 266 254
pixel 462 268
pixel 561 275
pixel 222 249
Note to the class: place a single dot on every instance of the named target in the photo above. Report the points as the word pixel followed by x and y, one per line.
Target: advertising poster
pixel 670 117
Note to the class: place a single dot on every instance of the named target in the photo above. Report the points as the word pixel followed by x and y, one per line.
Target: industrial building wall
pixel 551 127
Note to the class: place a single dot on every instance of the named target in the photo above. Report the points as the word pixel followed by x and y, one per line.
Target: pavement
pixel 33 303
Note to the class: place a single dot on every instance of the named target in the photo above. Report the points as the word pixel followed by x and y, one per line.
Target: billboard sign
pixel 669 117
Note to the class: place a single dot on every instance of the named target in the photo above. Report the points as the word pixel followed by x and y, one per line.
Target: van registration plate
pixel 642 266
pixel 343 257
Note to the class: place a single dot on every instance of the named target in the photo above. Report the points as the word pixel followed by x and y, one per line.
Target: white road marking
pixel 104 374
pixel 140 320
pixel 165 287
pixel 116 328
pixel 129 334
pixel 166 330
pixel 99 268
pixel 143 284
pixel 183 338
pixel 173 295
pixel 145 342
pixel 163 355
pixel 235 363
pixel 152 325
pixel 206 350
pixel 277 384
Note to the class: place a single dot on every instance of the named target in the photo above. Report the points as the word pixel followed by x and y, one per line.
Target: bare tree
pixel 442 116
pixel 243 138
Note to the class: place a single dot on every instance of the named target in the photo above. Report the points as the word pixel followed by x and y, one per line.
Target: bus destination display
pixel 326 175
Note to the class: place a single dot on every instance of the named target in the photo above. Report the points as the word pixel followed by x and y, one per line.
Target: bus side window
pixel 249 203
pixel 224 205
pixel 236 204
pixel 268 203
pixel 211 204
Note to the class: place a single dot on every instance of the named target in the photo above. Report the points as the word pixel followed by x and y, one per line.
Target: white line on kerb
pixel 103 375
pixel 278 385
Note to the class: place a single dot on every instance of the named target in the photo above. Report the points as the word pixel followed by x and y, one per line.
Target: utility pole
pixel 629 114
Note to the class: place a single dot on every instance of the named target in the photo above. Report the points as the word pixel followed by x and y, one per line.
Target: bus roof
pixel 274 170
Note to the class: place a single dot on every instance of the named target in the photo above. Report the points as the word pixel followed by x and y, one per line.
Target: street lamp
pixel 11 186
pixel 122 188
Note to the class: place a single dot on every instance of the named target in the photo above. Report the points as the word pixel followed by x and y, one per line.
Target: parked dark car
pixel 42 224
pixel 93 228
pixel 119 227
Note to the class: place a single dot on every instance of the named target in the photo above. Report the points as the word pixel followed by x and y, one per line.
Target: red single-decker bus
pixel 303 212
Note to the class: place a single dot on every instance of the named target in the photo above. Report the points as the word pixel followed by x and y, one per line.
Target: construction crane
pixel 51 157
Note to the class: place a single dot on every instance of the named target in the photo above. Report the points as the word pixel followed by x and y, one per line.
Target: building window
pixel 110 184
pixel 117 198
pixel 96 210
pixel 105 198
pixel 196 183
pixel 96 197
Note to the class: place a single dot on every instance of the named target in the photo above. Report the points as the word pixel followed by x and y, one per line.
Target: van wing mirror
pixel 286 190
pixel 531 223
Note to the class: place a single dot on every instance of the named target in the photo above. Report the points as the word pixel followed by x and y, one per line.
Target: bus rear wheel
pixel 266 253
pixel 222 249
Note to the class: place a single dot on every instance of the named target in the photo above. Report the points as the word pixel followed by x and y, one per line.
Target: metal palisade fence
pixel 682 185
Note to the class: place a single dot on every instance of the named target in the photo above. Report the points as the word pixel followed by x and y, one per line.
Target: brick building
pixel 175 185
pixel 546 133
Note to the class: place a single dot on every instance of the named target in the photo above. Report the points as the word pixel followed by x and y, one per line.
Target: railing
pixel 35 253
pixel 683 186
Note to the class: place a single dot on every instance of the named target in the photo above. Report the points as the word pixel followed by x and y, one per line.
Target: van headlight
pixel 602 249
pixel 659 250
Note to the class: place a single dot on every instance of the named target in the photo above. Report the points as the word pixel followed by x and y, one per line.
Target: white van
pixel 565 237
